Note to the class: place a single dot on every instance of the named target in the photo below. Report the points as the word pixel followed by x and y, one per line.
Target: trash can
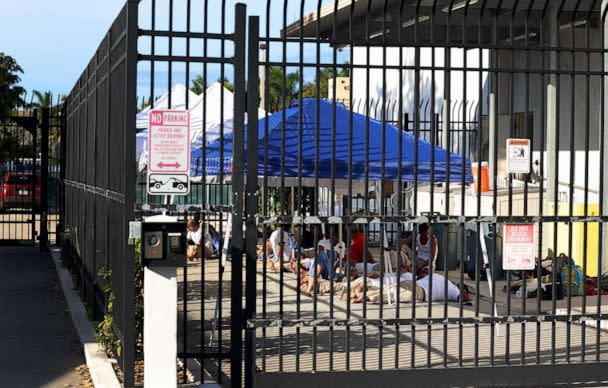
pixel 474 252
pixel 447 238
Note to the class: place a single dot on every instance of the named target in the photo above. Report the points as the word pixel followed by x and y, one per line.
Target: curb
pixel 100 369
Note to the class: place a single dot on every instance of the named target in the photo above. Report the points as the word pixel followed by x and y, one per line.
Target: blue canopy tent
pixel 341 156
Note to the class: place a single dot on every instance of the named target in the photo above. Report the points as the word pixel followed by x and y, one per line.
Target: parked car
pixel 16 190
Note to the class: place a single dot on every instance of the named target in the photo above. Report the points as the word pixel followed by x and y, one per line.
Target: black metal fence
pixel 283 153
pixel 100 180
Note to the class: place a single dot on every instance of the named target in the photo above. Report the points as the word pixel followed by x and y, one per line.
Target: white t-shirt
pixel 424 251
pixel 438 288
pixel 197 236
pixel 339 249
pixel 275 240
pixel 389 280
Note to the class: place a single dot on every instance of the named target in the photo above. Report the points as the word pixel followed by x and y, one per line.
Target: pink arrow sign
pixel 169 141
pixel 163 165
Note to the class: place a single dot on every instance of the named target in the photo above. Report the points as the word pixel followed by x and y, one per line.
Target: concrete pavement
pixel 39 346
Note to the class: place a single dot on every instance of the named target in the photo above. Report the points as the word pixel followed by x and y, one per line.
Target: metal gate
pixel 495 69
pixel 342 122
pixel 20 185
pixel 30 167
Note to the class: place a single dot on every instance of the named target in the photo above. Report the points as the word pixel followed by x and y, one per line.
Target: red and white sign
pixel 518 156
pixel 169 141
pixel 518 248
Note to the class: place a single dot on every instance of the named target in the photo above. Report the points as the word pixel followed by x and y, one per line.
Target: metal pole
pixel 44 178
pixel 236 301
pixel 128 314
pixel 252 199
pixel 33 188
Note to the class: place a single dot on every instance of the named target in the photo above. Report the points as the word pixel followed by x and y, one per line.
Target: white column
pixel 160 327
pixel 492 115
pixel 551 109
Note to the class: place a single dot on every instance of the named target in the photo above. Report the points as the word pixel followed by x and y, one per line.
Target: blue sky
pixel 53 40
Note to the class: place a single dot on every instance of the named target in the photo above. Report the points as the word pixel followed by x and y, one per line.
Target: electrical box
pixel 164 244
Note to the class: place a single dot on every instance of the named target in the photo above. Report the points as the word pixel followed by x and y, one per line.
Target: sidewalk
pixel 39 345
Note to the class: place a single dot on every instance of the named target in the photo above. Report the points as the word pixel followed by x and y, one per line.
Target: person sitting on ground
pixel 336 245
pixel 194 238
pixel 425 250
pixel 216 240
pixel 320 268
pixel 277 245
pixel 357 247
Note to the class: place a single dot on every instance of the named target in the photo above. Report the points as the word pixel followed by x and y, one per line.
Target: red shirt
pixel 357 247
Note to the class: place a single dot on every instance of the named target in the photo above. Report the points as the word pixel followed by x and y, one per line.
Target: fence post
pixel 129 194
pixel 44 179
pixel 252 199
pixel 236 300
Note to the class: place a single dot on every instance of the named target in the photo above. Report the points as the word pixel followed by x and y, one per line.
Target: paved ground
pixel 305 349
pixel 38 342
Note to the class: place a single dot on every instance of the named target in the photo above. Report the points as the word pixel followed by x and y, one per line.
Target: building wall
pixel 515 91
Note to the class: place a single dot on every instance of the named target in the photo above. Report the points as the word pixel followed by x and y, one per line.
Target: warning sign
pixel 169 141
pixel 518 156
pixel 518 248
pixel 168 184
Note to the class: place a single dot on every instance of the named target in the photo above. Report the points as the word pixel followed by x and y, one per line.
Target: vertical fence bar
pixel 128 303
pixel 34 145
pixel 252 192
pixel 236 301
pixel 44 179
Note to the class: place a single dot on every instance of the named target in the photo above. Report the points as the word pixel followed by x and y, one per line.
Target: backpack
pixel 576 283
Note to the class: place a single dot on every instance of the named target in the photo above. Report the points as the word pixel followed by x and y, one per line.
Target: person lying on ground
pixel 425 250
pixel 387 282
pixel 427 288
pixel 325 286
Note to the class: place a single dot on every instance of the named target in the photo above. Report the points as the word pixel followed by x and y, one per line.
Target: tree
pixel 199 84
pixel 10 92
pixel 276 88
pixel 227 84
pixel 42 99
pixel 324 74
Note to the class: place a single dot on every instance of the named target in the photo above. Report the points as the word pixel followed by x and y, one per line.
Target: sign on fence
pixel 518 249
pixel 169 152
pixel 518 156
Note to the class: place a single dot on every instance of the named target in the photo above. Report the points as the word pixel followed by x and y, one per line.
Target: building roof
pixel 376 21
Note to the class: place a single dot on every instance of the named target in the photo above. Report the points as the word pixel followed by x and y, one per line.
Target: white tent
pixel 204 107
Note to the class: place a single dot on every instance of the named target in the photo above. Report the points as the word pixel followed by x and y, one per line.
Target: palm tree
pixel 43 99
pixel 325 73
pixel 276 88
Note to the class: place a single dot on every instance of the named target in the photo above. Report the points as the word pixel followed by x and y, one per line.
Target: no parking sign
pixel 169 152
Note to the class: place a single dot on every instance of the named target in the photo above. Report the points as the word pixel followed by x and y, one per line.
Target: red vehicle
pixel 16 190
